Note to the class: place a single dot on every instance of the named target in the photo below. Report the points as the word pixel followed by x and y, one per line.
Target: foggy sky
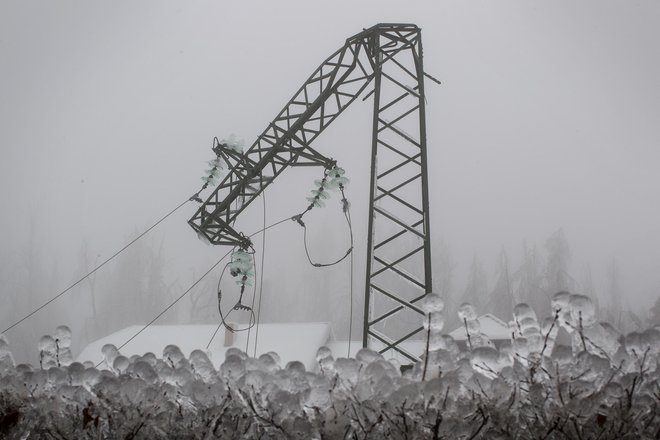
pixel 547 118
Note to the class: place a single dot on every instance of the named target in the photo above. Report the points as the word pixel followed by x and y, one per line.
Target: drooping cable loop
pixel 239 306
pixel 333 179
pixel 173 303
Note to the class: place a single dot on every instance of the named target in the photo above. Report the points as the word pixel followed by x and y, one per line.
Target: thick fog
pixel 545 125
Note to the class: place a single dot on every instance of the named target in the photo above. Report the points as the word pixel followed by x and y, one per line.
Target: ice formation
pixel 530 386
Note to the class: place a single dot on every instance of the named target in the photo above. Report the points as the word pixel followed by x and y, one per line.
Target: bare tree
pixel 476 290
pixel 528 278
pixel 500 301
pixel 557 277
pixel 654 313
pixel 443 269
pixel 614 293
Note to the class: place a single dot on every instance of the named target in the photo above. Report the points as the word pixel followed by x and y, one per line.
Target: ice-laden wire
pixel 334 179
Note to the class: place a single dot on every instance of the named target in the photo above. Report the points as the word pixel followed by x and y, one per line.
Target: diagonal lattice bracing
pixel 399 258
pixel 398 274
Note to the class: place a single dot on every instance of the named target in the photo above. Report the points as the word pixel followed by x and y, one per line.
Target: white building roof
pixel 491 326
pixel 291 341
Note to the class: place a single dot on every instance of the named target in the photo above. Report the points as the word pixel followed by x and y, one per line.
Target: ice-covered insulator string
pixel 333 179
pixel 241 267
pixel 215 173
pixel 336 178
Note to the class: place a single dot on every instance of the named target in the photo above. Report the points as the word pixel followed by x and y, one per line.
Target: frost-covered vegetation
pixel 599 385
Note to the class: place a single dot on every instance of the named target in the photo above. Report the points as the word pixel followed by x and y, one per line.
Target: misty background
pixel 542 144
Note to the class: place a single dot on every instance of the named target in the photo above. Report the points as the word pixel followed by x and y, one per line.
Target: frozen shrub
pixel 144 371
pixel 201 365
pixel 486 360
pixel 110 352
pixel 365 356
pixel 120 364
pixel 347 371
pixel 583 312
pixel 325 361
pixel 467 312
pixel 270 362
pixel 529 387
pixel 233 367
pixel 47 352
pixel 63 345
pixel 6 358
pixel 523 311
pixel 174 356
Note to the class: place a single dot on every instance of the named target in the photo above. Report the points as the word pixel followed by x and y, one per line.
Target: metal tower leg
pixel 398 244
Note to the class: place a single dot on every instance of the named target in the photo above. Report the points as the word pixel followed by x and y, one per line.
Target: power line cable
pixel 252 318
pixel 95 269
pixel 261 275
pixel 223 318
pixel 252 323
pixel 309 258
pixel 214 333
pixel 191 287
pixel 347 214
pixel 171 304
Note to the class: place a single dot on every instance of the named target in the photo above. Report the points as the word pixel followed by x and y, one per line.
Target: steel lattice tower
pixel 398 273
pixel 399 245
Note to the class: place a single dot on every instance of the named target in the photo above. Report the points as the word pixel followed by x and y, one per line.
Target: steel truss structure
pixel 398 272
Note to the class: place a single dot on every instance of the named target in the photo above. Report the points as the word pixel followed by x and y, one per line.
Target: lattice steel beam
pixel 399 254
pixel 398 247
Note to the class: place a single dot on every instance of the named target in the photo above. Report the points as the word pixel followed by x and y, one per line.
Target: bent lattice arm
pixel 389 56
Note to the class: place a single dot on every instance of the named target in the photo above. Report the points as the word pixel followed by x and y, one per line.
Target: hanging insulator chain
pixel 241 266
pixel 216 170
pixel 333 179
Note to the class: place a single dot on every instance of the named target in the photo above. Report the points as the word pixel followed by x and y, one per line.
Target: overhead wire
pixel 252 321
pixel 309 258
pixel 238 306
pixel 195 284
pixel 261 274
pixel 117 253
pixel 298 219
pixel 179 298
pixel 252 316
pixel 112 257
pixel 347 214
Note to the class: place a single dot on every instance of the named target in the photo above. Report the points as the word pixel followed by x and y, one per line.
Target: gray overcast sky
pixel 547 117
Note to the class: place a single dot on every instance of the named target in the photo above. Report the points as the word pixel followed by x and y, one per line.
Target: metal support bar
pixel 390 55
pixel 401 63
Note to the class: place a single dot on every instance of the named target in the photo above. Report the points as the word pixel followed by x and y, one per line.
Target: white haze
pixel 547 118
